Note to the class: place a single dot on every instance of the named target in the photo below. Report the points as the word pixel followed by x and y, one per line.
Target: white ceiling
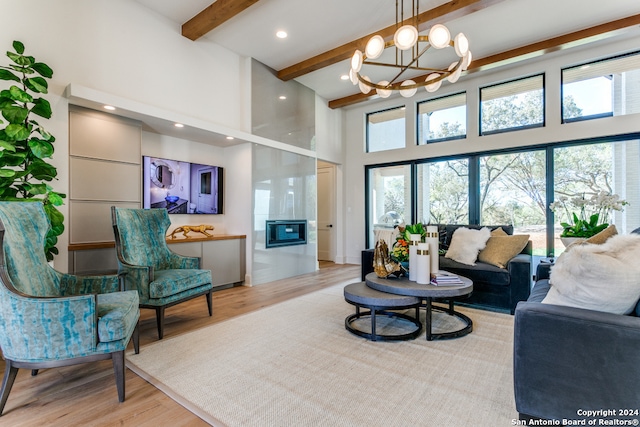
pixel 320 25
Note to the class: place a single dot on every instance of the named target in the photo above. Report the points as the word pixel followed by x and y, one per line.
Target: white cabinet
pixel 225 256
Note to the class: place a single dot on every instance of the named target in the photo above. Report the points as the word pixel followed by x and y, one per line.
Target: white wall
pixel 121 48
pixel 554 131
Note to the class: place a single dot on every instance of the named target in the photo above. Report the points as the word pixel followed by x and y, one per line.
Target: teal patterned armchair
pixel 161 277
pixel 49 319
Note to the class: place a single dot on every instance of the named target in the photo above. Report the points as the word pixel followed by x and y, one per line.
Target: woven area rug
pixel 294 364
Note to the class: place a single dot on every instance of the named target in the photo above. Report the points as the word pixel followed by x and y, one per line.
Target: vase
pixel 405 265
pixel 567 241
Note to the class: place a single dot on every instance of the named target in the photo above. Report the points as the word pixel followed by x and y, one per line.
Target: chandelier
pixel 408 40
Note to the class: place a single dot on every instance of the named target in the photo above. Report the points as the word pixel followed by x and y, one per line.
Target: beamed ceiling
pixel 324 34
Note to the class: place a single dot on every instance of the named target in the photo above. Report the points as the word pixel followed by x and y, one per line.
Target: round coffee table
pixel 403 286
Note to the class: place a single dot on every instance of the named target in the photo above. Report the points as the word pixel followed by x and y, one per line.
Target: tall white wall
pixel 121 48
pixel 554 131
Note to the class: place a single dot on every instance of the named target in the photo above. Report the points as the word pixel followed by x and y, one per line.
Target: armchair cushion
pixel 171 282
pixel 117 315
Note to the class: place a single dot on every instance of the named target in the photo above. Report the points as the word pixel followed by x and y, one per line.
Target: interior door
pixel 207 186
pixel 326 212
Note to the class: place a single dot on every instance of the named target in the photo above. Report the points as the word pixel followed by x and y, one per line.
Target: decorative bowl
pixel 172 199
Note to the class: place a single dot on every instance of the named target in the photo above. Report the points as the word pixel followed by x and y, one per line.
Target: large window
pixel 508 188
pixel 389 194
pixel 513 191
pixel 583 171
pixel 386 130
pixel 514 105
pixel 443 192
pixel 604 88
pixel 442 119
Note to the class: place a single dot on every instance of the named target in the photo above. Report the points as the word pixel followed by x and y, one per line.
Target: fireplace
pixel 287 232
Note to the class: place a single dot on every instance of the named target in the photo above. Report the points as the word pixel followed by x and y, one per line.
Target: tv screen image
pixel 181 187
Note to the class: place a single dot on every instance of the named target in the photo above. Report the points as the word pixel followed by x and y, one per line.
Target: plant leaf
pixel 42 171
pixel 43 69
pixel 17 132
pixel 40 148
pixel 15 114
pixel 20 95
pixel 7 173
pixel 7 146
pixel 18 46
pixel 42 108
pixel 23 61
pixel 37 84
pixel 8 75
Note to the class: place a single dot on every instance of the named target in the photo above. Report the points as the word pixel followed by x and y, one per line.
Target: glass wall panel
pixel 443 192
pixel 604 88
pixel 284 188
pixel 514 105
pixel 583 172
pixel 386 130
pixel 442 119
pixel 389 200
pixel 513 191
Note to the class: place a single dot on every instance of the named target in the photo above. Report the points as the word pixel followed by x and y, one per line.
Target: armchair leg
pixel 118 367
pixel 136 338
pixel 210 303
pixel 10 373
pixel 160 321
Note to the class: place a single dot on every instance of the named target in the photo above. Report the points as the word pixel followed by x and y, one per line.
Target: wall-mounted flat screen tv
pixel 182 187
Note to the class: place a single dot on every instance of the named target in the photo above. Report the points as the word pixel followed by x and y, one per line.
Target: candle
pixel 413 260
pixel 434 244
pixel 423 264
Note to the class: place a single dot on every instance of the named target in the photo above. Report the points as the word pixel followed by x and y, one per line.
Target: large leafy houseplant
pixel 24 143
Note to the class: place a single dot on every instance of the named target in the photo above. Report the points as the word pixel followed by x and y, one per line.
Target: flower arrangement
pixel 587 216
pixel 400 250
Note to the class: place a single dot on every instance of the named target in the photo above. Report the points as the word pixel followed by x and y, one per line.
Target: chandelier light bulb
pixel 454 76
pixel 466 61
pixel 356 61
pixel 405 37
pixel 408 93
pixel 375 47
pixel 353 76
pixel 363 87
pixel 432 87
pixel 439 36
pixel 461 45
pixel 383 93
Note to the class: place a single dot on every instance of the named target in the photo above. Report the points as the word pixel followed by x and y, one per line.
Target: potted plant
pixel 24 143
pixel 586 217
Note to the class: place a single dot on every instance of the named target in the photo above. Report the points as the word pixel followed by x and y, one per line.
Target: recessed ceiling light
pixel 109 107
pixel 282 97
pixel 230 138
pixel 179 125
pixel 281 34
pixel 344 77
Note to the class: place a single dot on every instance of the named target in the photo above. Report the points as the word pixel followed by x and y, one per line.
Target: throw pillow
pixel 498 232
pixel 500 249
pixel 466 243
pixel 602 277
pixel 603 236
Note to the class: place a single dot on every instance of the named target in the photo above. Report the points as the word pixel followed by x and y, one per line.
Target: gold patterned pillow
pixel 501 248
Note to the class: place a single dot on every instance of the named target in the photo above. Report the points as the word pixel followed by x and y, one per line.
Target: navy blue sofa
pixel 494 288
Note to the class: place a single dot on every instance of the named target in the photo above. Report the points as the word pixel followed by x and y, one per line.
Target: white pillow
pixel 466 243
pixel 602 277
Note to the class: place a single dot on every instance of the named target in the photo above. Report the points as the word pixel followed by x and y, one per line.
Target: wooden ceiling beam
pixel 525 52
pixel 212 16
pixel 446 12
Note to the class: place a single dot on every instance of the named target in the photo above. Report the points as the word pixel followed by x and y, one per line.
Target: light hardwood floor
pixel 85 395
